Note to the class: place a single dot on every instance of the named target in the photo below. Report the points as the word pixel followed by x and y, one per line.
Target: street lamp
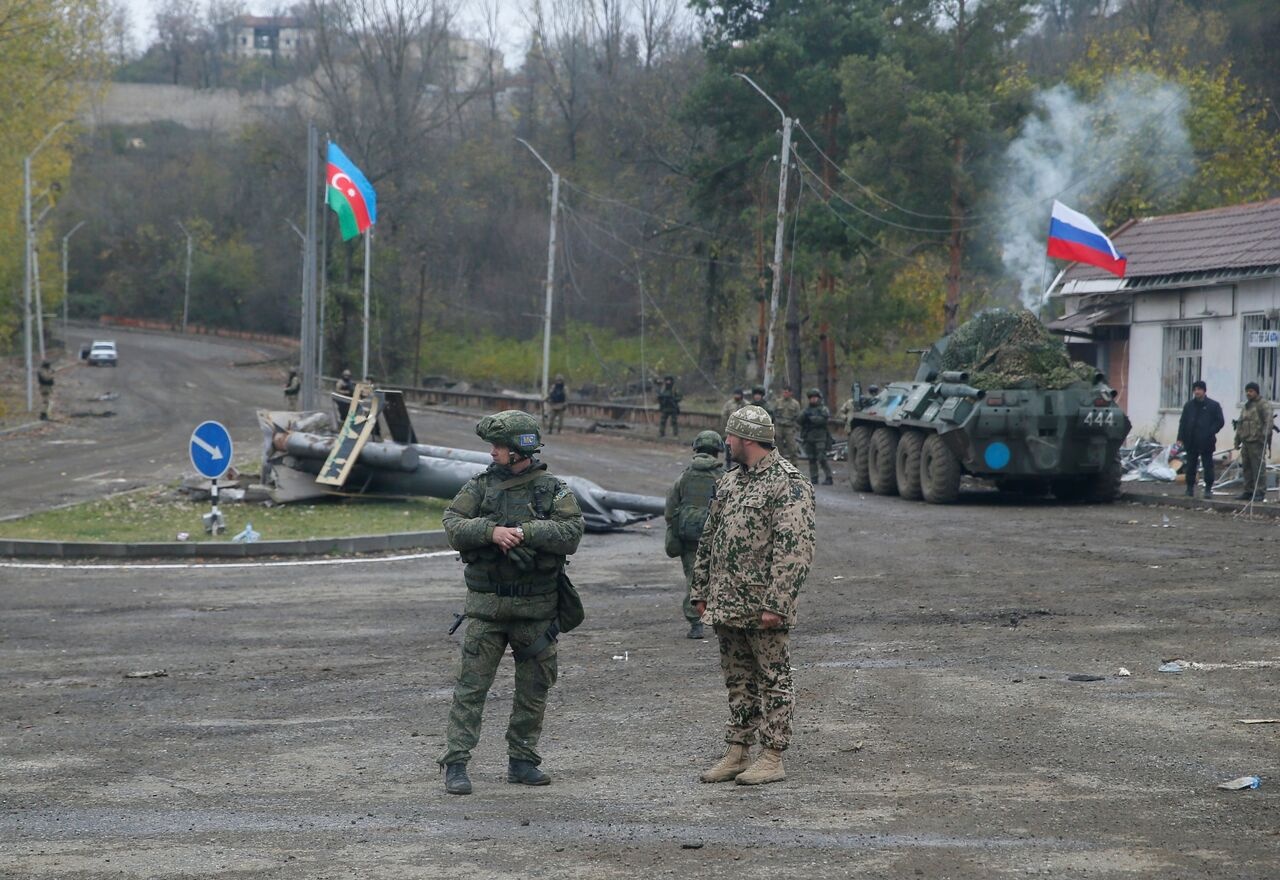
pixel 27 264
pixel 186 286
pixel 66 309
pixel 785 157
pixel 551 272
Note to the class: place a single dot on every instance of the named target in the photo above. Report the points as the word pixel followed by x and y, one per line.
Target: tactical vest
pixel 697 488
pixel 511 502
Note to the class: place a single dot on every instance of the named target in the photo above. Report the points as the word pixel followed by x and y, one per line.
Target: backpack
pixel 691 518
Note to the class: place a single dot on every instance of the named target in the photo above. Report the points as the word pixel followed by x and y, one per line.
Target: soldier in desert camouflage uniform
pixel 754 555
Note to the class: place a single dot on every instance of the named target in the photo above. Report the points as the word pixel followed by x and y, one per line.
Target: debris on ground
pixel 1011 348
pixel 1240 783
pixel 1123 673
pixel 1258 721
pixel 247 535
pixel 147 673
pixel 1082 677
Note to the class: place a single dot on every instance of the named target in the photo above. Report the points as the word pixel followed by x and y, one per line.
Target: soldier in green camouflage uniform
pixel 760 398
pixel 46 379
pixel 513 526
pixel 686 512
pixel 669 407
pixel 816 435
pixel 1253 429
pixel 786 415
pixel 754 555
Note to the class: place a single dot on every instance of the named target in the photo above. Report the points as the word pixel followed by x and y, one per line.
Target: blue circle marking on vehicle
pixel 210 449
pixel 997 456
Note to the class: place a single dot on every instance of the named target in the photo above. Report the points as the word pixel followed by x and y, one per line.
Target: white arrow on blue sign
pixel 211 449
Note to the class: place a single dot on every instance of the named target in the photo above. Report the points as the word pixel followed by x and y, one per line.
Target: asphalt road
pixel 938 732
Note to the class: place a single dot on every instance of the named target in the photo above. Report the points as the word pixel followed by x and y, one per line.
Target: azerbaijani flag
pixel 349 194
pixel 1073 236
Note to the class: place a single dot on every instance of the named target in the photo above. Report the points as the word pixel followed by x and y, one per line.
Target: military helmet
pixel 737 392
pixel 752 423
pixel 873 389
pixel 559 377
pixel 708 441
pixel 512 428
pixel 346 374
pixel 759 389
pixel 814 392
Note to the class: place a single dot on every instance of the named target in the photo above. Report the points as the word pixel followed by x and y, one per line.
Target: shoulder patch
pixel 797 492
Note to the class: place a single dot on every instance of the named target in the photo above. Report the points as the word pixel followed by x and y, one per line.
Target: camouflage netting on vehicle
pixel 1002 348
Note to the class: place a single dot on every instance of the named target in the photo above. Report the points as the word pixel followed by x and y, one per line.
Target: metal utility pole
pixel 551 273
pixel 308 335
pixel 29 240
pixel 186 285
pixel 66 308
pixel 785 162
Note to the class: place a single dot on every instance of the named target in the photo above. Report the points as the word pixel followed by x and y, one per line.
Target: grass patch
pixel 158 515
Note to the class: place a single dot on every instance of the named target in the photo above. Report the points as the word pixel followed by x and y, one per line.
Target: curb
pixel 1224 506
pixel 16 548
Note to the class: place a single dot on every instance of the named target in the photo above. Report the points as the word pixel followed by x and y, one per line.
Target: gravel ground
pixel 938 732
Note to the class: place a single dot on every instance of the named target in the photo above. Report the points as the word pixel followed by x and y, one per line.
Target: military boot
pixel 456 780
pixel 735 760
pixel 767 768
pixel 526 773
pixel 696 630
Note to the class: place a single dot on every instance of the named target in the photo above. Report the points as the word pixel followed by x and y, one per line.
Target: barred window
pixel 1182 359
pixel 1259 361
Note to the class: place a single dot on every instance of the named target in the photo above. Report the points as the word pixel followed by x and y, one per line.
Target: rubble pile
pixel 1003 348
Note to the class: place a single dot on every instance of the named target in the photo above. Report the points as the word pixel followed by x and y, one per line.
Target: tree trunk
pixel 795 373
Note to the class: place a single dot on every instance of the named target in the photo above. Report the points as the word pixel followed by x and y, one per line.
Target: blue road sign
pixel 211 449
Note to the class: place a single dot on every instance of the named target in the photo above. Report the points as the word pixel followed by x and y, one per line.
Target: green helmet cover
pixel 512 428
pixel 708 441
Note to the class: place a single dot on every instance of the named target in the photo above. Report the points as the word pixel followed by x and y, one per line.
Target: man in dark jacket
pixel 1198 433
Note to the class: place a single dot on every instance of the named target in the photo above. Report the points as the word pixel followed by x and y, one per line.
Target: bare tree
pixel 177 28
pixel 562 50
pixel 657 24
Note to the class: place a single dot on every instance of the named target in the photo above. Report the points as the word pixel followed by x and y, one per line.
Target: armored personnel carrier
pixel 1021 415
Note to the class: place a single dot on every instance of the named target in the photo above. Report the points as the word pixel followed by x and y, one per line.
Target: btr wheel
pixel 881 464
pixel 907 464
pixel 939 471
pixel 859 452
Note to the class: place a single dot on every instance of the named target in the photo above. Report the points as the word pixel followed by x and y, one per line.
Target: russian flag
pixel 1073 236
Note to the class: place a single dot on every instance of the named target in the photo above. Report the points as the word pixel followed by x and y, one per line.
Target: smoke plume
pixel 1076 151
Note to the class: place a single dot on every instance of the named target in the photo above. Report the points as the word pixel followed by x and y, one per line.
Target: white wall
pixel 1222 347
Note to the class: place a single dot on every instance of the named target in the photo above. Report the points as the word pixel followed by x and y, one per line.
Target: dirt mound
pixel 1004 348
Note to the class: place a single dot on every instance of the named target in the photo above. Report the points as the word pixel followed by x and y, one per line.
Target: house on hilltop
pixel 274 36
pixel 1200 300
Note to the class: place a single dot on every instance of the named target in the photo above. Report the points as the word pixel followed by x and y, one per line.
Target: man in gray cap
pixel 754 555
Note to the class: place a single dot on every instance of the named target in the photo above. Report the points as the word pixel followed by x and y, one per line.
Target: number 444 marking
pixel 1100 417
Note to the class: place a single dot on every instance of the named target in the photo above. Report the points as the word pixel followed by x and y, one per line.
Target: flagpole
pixel 324 258
pixel 368 257
pixel 307 359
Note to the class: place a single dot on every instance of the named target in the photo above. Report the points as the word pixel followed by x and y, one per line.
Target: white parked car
pixel 103 354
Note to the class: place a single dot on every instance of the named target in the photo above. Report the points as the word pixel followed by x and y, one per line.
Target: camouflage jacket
pixel 731 407
pixel 786 413
pixel 669 400
pixel 813 424
pixel 694 488
pixel 757 546
pixel 45 375
pixel 1255 422
pixel 536 501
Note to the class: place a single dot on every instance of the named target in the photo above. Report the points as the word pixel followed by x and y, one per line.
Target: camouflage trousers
pixel 1251 463
pixel 757 673
pixel 686 562
pixel 787 447
pixel 817 453
pixel 555 421
pixel 482 649
pixel 675 424
pixel 46 392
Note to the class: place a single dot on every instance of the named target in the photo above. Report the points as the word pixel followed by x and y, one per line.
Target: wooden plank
pixel 362 415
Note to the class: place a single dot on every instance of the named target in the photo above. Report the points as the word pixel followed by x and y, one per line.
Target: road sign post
pixel 210 450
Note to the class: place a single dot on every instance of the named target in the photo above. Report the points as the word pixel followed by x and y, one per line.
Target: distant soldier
pixel 1253 430
pixel 346 385
pixel 45 377
pixel 815 434
pixel 558 398
pixel 786 415
pixel 669 407
pixel 291 389
pixel 513 526
pixel 760 398
pixel 754 556
pixel 686 512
